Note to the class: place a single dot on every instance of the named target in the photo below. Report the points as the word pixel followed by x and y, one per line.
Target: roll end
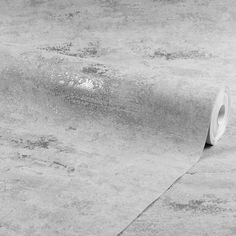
pixel 219 117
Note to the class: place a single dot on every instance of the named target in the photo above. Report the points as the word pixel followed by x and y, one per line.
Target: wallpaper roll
pixel 86 147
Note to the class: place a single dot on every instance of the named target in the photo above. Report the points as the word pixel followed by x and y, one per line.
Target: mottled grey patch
pixel 23 156
pixel 193 54
pixel 197 206
pixel 42 142
pixel 92 50
pixel 39 142
pixel 62 49
pixel 98 69
pixel 72 14
pixel 90 70
pixel 191 205
pixel 65 149
pixel 212 198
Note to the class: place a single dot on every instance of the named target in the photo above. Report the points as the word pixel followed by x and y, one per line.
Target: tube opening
pixel 221 115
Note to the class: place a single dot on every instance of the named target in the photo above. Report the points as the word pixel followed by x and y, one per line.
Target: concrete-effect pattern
pixel 50 50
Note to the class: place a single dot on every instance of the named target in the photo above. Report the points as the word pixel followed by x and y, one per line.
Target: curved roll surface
pixel 100 137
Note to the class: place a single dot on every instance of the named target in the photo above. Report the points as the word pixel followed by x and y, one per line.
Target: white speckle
pixel 61 82
pixel 88 84
pixel 71 83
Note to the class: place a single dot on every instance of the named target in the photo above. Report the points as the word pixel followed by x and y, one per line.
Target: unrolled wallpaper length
pixel 88 145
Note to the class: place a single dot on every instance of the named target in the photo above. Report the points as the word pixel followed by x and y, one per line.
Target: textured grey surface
pixel 104 104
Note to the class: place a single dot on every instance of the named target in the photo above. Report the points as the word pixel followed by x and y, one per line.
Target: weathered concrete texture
pixel 80 81
pixel 202 202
